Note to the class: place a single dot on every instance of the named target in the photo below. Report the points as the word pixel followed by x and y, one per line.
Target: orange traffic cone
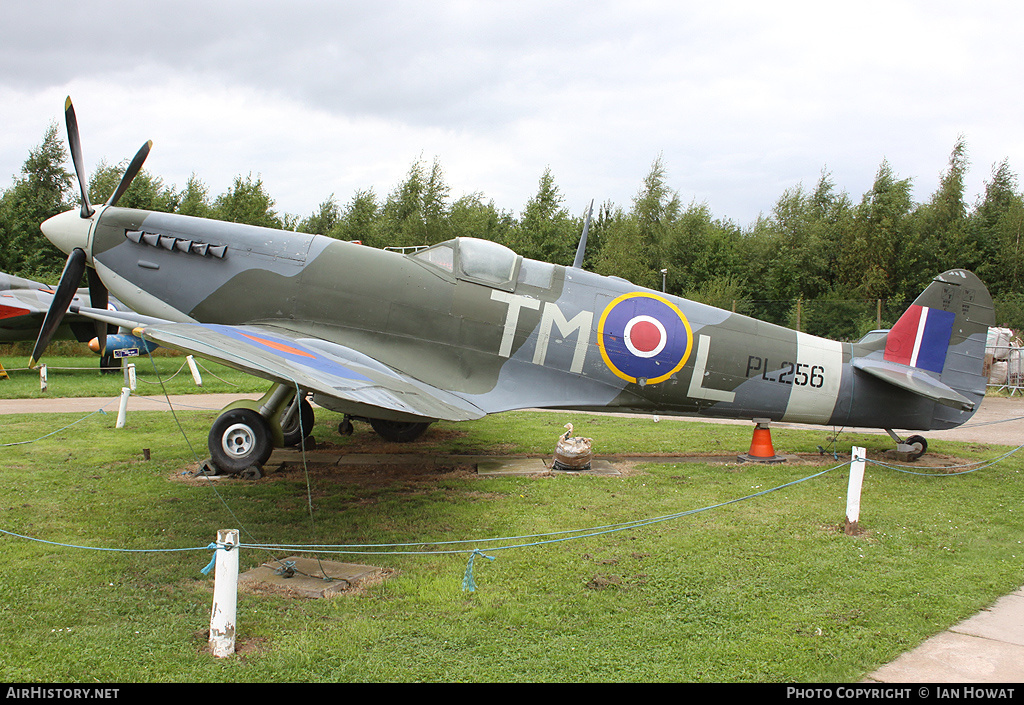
pixel 761 449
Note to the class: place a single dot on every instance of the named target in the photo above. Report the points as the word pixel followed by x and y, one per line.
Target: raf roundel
pixel 644 338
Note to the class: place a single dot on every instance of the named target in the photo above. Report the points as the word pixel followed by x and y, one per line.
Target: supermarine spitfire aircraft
pixel 467 328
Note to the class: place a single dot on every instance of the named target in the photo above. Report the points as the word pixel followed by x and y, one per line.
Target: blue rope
pixel 34 440
pixel 468 584
pixel 468 581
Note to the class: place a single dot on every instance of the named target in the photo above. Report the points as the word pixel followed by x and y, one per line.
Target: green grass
pixel 766 589
pixel 78 376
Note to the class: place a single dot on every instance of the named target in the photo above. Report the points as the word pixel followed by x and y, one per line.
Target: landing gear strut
pixel 911 448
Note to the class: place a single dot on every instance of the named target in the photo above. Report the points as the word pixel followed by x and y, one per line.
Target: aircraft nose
pixel 67 230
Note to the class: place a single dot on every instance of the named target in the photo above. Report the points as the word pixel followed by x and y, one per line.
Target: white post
pixel 195 370
pixel 857 458
pixel 225 594
pixel 129 375
pixel 122 409
pixel 42 378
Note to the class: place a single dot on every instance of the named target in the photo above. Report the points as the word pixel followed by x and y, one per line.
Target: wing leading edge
pixel 312 364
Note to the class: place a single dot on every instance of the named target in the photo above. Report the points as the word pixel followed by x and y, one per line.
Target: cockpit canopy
pixel 481 261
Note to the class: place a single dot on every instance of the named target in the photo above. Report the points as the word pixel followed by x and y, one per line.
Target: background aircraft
pixel 467 328
pixel 23 307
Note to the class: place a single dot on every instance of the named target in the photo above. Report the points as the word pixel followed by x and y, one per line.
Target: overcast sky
pixel 741 100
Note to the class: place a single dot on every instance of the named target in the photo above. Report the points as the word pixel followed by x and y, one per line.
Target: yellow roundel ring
pixel 644 338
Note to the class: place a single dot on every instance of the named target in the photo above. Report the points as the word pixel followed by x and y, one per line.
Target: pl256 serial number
pixel 799 373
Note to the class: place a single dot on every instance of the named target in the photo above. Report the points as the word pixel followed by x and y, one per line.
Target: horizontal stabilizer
pixel 914 380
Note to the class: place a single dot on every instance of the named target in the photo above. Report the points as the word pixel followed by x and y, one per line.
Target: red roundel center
pixel 645 336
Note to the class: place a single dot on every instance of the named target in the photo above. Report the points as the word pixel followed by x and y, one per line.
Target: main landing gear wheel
pixel 293 433
pixel 399 431
pixel 110 364
pixel 239 439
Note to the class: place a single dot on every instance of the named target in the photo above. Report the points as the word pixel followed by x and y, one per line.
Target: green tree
pixel 623 251
pixel 326 220
pixel 361 220
pixel 44 189
pixel 469 216
pixel 941 237
pixel 194 200
pixel 546 230
pixel 247 201
pixel 146 192
pixel 402 218
pixel 701 255
pixel 875 247
pixel 999 223
pixel 656 208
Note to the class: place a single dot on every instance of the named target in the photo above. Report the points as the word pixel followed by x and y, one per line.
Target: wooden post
pixel 225 594
pixel 857 458
pixel 878 314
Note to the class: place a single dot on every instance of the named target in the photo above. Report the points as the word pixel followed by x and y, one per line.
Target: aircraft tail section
pixel 937 347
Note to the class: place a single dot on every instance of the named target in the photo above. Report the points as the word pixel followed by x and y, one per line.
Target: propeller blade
pixel 75 143
pixel 66 288
pixel 130 173
pixel 98 298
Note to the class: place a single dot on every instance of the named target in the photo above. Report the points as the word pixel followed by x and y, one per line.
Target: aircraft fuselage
pixel 523 334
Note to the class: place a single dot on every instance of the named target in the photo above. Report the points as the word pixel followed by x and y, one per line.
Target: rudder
pixel 944 332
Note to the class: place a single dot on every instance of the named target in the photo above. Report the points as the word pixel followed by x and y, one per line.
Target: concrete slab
pixel 311 578
pixel 511 466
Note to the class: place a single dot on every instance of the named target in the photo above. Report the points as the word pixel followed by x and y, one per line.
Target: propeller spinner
pixel 69 231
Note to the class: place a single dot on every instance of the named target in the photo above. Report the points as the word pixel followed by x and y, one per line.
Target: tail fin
pixel 945 329
pixel 937 348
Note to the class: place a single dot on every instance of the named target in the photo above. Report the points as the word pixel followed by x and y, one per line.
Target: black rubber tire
pixel 920 446
pixel 293 434
pixel 399 431
pixel 239 439
pixel 110 364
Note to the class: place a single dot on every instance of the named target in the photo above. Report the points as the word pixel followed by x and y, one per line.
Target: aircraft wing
pixel 313 364
pixel 914 380
pixel 22 312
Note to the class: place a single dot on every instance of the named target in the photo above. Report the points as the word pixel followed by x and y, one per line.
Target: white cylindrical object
pixel 42 378
pixel 225 594
pixel 856 482
pixel 129 371
pixel 122 409
pixel 195 370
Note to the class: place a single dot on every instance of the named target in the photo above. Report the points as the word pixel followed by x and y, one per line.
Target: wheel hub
pixel 238 440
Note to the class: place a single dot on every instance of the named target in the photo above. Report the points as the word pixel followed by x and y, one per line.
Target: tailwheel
pixel 239 439
pixel 918 446
pixel 399 431
pixel 911 448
